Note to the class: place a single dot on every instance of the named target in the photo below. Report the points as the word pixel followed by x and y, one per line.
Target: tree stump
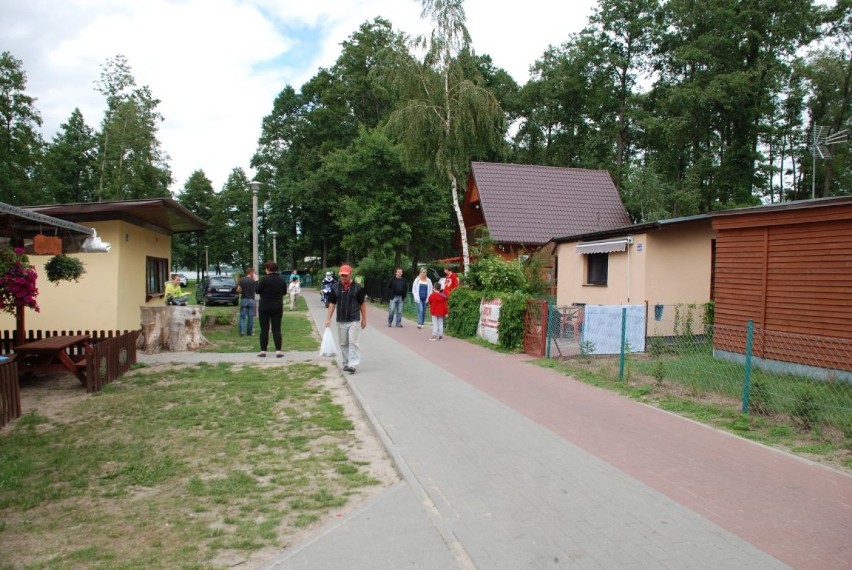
pixel 171 329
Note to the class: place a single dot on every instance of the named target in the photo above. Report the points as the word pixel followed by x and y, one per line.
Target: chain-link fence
pixel 805 377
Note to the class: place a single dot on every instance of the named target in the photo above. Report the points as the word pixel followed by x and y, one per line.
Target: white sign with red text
pixel 489 318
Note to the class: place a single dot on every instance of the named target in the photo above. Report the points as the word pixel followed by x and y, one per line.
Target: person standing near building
pixel 271 290
pixel 421 289
pixel 247 288
pixel 438 309
pixel 451 280
pixel 294 289
pixel 398 289
pixel 347 297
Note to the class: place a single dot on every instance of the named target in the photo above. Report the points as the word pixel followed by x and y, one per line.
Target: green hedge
pixel 510 332
pixel 464 312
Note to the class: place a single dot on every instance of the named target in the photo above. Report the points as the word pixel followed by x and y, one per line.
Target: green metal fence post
pixel 546 322
pixel 623 342
pixel 747 378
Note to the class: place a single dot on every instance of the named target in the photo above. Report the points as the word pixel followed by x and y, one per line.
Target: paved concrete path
pixel 509 465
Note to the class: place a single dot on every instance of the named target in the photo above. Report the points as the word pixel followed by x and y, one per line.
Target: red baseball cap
pixel 345 270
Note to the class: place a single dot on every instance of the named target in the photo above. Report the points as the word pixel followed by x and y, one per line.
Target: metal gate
pixel 535 327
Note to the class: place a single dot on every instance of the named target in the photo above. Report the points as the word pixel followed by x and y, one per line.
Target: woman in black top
pixel 271 290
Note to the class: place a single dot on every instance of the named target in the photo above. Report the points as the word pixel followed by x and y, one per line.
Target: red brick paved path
pixel 799 512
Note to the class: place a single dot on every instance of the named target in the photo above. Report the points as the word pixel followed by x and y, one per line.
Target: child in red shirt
pixel 438 308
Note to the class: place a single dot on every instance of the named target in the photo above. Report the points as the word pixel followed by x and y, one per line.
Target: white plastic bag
pixel 328 347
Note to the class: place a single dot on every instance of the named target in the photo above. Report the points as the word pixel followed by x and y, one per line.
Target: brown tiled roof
pixel 530 205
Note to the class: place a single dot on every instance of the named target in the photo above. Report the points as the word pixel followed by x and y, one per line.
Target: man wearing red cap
pixel 348 297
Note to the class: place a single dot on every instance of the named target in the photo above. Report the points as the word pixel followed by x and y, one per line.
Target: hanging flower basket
pixel 17 281
pixel 64 268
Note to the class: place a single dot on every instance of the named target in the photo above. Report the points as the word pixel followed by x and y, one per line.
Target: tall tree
pixel 382 204
pixel 197 197
pixel 720 63
pixel 69 170
pixel 448 114
pixel 627 31
pixel 132 163
pixel 21 144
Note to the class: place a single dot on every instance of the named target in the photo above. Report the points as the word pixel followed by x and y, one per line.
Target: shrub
pixel 464 312
pixel 493 275
pixel 511 326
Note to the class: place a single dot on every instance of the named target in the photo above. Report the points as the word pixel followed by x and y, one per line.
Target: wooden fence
pixel 10 396
pixel 111 357
pixel 113 352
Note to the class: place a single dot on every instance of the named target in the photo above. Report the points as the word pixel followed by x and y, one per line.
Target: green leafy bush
pixel 464 312
pixel 510 333
pixel 493 275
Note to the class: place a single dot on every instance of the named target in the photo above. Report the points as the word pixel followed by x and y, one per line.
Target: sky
pixel 217 65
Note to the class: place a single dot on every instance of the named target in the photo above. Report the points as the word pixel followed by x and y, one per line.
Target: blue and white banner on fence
pixel 602 328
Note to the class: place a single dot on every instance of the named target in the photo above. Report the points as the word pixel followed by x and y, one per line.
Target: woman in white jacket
pixel 420 290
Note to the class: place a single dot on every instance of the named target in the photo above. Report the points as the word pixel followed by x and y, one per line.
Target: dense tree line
pixel 691 106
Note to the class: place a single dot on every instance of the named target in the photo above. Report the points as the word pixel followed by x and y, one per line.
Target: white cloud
pixel 217 65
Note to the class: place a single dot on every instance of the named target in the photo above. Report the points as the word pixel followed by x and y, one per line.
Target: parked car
pixel 183 280
pixel 217 289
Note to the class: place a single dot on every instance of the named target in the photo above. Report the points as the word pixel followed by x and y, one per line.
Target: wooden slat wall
pixel 740 265
pixel 790 275
pixel 10 395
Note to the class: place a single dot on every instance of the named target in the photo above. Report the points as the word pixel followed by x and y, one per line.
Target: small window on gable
pixel 597 267
pixel 156 275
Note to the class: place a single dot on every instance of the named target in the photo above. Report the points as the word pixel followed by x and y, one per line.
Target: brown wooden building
pixel 524 206
pixel 788 268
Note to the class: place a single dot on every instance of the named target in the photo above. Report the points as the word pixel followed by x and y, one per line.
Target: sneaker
pixel 347 368
pixel 351 370
pixel 398 325
pixel 389 325
pixel 262 354
pixel 419 326
pixel 440 338
pixel 433 338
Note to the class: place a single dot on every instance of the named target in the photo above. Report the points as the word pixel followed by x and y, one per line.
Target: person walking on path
pixel 348 298
pixel 438 307
pixel 421 289
pixel 293 289
pixel 248 305
pixel 271 290
pixel 398 289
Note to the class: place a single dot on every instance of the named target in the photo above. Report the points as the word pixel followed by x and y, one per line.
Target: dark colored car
pixel 217 289
pixel 183 280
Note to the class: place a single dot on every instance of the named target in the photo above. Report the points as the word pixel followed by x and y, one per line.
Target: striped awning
pixel 604 246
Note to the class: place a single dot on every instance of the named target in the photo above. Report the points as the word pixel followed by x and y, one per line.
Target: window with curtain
pixel 597 268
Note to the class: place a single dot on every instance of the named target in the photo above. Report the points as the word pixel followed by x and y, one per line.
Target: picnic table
pixel 56 354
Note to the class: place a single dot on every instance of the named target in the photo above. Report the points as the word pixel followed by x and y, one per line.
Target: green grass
pixel 180 467
pixel 795 413
pixel 296 330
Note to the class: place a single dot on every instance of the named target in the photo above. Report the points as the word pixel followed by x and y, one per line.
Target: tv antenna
pixel 821 139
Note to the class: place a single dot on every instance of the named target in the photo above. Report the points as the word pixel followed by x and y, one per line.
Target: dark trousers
pixel 271 316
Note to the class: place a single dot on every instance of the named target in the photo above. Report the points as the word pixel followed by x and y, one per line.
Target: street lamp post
pixel 206 260
pixel 255 186
pixel 274 246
